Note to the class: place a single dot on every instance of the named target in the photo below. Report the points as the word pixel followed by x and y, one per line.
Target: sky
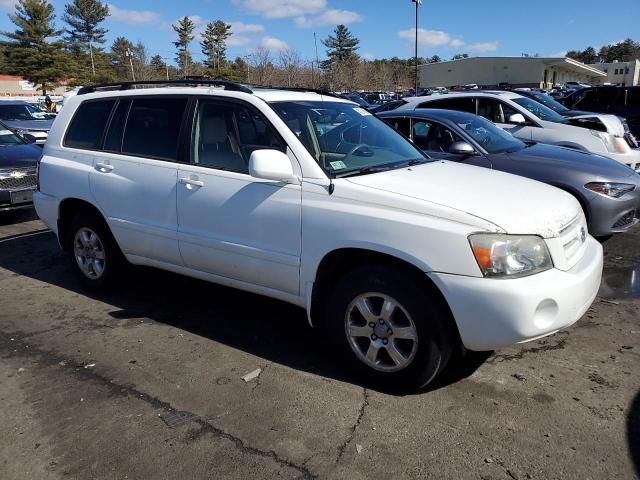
pixel 385 28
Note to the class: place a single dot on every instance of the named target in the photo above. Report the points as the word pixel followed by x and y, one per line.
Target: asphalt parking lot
pixel 147 383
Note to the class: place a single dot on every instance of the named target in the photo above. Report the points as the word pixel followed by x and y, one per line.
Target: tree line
pixel 623 51
pixel 76 54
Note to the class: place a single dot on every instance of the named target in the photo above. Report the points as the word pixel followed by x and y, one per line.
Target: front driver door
pixel 230 224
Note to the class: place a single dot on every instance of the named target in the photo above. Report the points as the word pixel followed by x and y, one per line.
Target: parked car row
pixel 399 258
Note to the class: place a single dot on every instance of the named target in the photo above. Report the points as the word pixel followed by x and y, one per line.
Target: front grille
pixel 18 183
pixel 626 220
pixel 573 240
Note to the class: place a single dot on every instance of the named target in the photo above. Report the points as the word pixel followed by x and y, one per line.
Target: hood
pixel 19 156
pixel 515 204
pixel 593 121
pixel 599 167
pixel 29 124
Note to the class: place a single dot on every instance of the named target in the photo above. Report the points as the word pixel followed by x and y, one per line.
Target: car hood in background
pixel 19 156
pixel 515 204
pixel 594 121
pixel 599 167
pixel 29 124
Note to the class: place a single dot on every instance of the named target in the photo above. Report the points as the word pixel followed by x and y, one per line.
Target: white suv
pixel 531 121
pixel 310 199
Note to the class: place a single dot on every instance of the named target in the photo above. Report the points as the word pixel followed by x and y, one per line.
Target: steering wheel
pixel 354 150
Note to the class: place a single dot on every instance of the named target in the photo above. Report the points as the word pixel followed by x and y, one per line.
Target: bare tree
pixel 262 66
pixel 290 64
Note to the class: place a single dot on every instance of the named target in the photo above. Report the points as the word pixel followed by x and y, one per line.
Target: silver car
pixel 608 191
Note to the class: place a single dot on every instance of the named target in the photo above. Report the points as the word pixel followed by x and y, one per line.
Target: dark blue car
pixel 18 160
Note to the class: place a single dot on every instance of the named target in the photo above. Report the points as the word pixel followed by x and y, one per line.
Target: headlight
pixel 615 190
pixel 612 143
pixel 510 256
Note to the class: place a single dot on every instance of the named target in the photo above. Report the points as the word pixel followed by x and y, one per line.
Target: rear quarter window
pixel 86 129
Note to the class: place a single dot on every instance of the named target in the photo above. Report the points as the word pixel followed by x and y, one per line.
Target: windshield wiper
pixel 363 171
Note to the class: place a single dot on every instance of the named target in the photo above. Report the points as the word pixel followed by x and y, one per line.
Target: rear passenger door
pixel 499 113
pixel 230 224
pixel 134 176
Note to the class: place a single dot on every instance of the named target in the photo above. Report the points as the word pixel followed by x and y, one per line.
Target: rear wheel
pixel 389 328
pixel 94 251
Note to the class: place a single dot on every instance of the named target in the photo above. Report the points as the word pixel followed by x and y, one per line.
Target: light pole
pixel 418 3
pixel 130 55
pixel 247 58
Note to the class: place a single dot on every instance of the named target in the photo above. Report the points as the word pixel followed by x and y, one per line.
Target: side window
pixel 491 109
pixel 88 124
pixel 507 111
pixel 461 104
pixel 433 137
pixel 225 136
pixel 113 140
pixel 402 125
pixel 153 127
pixel 633 98
pixel 607 97
pixel 586 99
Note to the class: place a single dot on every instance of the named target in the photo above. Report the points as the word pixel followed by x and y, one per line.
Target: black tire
pixel 435 339
pixel 113 262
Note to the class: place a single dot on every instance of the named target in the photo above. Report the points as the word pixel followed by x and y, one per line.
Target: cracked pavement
pixel 146 382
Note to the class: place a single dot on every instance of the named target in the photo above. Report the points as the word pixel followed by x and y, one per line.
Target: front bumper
pixel 609 215
pixel 492 314
pixel 16 199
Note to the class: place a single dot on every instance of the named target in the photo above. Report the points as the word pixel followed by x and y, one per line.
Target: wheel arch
pixel 67 210
pixel 341 261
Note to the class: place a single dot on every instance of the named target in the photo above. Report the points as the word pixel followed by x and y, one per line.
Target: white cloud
pixel 282 8
pixel 8 5
pixel 241 27
pixel 273 43
pixel 132 16
pixel 329 17
pixel 196 19
pixel 438 38
pixel 482 47
pixel 237 40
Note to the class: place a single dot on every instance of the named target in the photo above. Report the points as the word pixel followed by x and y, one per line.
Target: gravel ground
pixel 147 383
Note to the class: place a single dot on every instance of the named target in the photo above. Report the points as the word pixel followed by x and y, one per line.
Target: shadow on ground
pixel 633 432
pixel 273 330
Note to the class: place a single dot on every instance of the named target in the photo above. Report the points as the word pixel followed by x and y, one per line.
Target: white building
pixel 532 72
pixel 619 73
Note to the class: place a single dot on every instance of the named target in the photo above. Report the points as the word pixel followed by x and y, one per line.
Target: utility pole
pixel 166 66
pixel 417 83
pixel 315 40
pixel 247 58
pixel 93 66
pixel 130 55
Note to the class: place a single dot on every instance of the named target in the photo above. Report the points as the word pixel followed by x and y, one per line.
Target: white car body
pixel 270 237
pixel 552 133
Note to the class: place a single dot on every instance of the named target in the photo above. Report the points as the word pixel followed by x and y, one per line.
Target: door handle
pixel 104 167
pixel 191 182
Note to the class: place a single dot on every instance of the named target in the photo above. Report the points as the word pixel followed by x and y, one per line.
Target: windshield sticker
pixel 339 165
pixel 362 112
pixel 6 132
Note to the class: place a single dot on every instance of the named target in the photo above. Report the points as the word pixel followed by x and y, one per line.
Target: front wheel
pixel 390 327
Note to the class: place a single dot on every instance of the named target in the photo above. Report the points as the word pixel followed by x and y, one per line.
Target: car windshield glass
pixel 22 112
pixel 346 139
pixel 539 110
pixel 490 137
pixel 549 102
pixel 7 137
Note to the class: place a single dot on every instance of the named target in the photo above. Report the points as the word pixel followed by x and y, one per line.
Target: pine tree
pixel 214 45
pixel 33 51
pixel 158 67
pixel 120 51
pixel 84 36
pixel 341 48
pixel 184 28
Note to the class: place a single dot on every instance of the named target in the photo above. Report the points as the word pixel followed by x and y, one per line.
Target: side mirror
pixel 517 118
pixel 461 148
pixel 272 165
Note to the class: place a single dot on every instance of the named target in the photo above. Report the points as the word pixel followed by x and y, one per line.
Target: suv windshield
pixel 490 137
pixel 548 101
pixel 539 110
pixel 23 112
pixel 346 139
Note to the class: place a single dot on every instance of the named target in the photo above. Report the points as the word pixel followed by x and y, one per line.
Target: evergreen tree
pixel 33 51
pixel 184 28
pixel 84 35
pixel 120 51
pixel 341 48
pixel 158 67
pixel 214 45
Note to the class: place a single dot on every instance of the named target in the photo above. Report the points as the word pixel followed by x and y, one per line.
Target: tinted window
pixel 88 124
pixel 607 96
pixel 113 140
pixel 492 138
pixel 539 110
pixel 225 136
pixel 403 125
pixel 153 127
pixel 433 137
pixel 460 104
pixel 633 98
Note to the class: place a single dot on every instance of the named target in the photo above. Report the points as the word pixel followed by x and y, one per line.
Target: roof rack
pixel 227 85
pixel 300 89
